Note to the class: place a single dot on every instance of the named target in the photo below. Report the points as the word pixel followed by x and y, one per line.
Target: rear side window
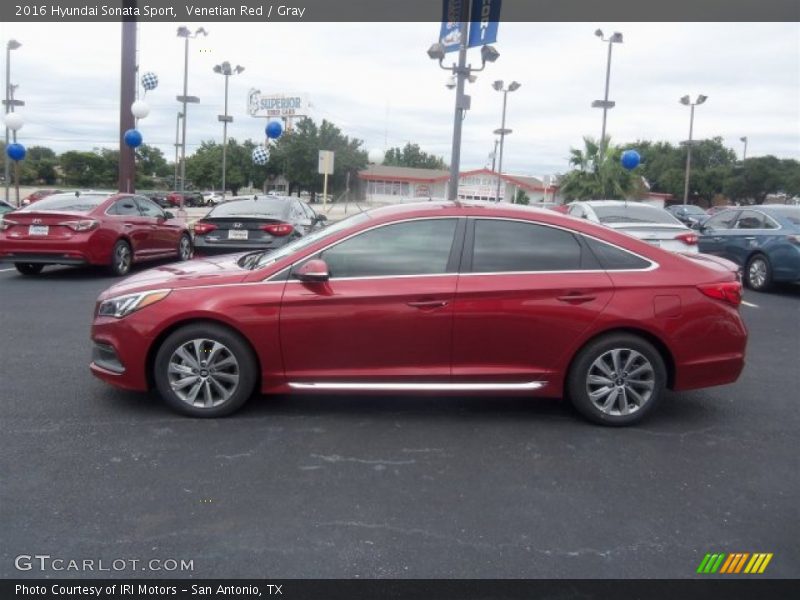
pixel 411 248
pixel 508 246
pixel 723 220
pixel 615 259
pixel 124 207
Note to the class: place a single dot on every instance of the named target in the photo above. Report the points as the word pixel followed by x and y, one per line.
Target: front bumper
pixel 119 353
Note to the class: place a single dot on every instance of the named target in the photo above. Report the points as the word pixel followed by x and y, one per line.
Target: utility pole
pixel 127 96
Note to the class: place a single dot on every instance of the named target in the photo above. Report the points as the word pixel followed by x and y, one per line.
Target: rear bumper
pixel 225 247
pixel 45 258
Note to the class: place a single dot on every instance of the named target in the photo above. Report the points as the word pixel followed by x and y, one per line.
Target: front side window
pixel 503 246
pixel 723 220
pixel 149 208
pixel 419 247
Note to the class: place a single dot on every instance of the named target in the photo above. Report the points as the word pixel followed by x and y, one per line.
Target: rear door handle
pixel 576 298
pixel 428 303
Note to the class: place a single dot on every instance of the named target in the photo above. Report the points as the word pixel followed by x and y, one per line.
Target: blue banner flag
pixel 450 34
pixel 485 20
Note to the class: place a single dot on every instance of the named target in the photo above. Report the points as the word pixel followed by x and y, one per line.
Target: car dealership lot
pixel 341 486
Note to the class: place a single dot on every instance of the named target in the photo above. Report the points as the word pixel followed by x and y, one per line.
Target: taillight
pixel 688 238
pixel 6 224
pixel 203 228
pixel 793 239
pixel 82 225
pixel 729 291
pixel 278 229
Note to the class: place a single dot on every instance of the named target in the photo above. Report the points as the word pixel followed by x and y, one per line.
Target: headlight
pixel 122 306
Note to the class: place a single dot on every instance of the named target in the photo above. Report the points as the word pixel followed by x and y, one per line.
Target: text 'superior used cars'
pixel 431 297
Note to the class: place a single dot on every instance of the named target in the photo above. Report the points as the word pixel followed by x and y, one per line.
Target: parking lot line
pixel 750 304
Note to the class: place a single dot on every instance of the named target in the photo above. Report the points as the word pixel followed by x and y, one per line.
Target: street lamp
pixel 461 71
pixel 744 154
pixel 177 145
pixel 9 105
pixel 183 32
pixel 512 87
pixel 225 70
pixel 605 103
pixel 686 101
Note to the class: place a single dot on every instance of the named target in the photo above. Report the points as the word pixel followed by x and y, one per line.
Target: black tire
pixel 121 259
pixel 29 268
pixel 185 248
pixel 640 396
pixel 758 273
pixel 210 380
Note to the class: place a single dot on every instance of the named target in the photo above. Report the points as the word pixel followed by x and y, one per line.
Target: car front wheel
pixel 185 247
pixel 758 273
pixel 29 268
pixel 205 370
pixel 617 380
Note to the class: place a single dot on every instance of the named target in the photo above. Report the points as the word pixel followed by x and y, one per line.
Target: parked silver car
pixel 649 223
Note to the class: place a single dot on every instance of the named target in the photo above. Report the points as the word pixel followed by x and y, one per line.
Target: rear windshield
pixel 67 202
pixel 633 213
pixel 690 209
pixel 261 206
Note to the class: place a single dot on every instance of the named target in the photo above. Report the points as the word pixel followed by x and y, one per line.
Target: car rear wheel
pixel 617 380
pixel 121 258
pixel 758 273
pixel 185 247
pixel 29 268
pixel 205 370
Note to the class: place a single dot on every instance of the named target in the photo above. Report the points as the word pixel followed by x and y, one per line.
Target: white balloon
pixel 14 121
pixel 376 156
pixel 140 109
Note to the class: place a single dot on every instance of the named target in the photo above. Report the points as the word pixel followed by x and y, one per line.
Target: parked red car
pixel 432 297
pixel 38 195
pixel 92 228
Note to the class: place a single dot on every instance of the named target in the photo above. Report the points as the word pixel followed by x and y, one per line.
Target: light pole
pixel 744 154
pixel 460 71
pixel 512 87
pixel 605 103
pixel 177 146
pixel 11 45
pixel 226 70
pixel 687 102
pixel 183 32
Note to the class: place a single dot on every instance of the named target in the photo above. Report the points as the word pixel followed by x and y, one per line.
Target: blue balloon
pixel 133 138
pixel 274 129
pixel 631 159
pixel 15 151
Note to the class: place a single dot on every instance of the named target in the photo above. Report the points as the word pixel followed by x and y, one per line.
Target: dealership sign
pixel 276 105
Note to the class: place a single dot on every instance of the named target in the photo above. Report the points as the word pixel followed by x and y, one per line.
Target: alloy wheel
pixel 620 381
pixel 203 373
pixel 757 273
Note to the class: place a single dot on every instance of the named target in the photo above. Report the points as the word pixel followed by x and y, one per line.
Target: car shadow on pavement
pixel 91 272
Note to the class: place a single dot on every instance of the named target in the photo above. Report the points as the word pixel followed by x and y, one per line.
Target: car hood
pixel 216 270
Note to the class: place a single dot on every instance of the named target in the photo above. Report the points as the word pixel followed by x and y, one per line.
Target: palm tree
pixel 593 178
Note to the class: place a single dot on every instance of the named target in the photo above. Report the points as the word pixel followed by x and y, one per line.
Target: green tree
pixel 412 156
pixel 82 169
pixel 754 179
pixel 204 167
pixel 593 178
pixel 39 166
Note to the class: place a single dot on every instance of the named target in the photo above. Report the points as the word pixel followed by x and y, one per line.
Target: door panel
pixel 372 329
pixel 517 327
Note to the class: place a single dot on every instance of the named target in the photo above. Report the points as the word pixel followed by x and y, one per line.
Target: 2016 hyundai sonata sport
pixel 430 298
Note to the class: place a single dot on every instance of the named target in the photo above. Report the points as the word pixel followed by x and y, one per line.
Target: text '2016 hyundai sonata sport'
pixel 430 298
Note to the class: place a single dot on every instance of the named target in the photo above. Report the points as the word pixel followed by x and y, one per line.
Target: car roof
pixel 612 203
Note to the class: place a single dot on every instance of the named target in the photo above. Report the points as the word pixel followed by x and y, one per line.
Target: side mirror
pixel 168 215
pixel 320 218
pixel 315 270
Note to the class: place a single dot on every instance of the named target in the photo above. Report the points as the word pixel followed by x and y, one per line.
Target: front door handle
pixel 576 298
pixel 428 303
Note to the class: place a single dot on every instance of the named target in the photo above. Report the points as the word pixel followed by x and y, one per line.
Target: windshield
pixel 262 206
pixel 262 259
pixel 634 213
pixel 67 202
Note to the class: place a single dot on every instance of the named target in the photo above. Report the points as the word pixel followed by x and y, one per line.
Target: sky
pixel 376 82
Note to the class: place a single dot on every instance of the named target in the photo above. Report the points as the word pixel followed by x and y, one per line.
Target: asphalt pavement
pixel 346 487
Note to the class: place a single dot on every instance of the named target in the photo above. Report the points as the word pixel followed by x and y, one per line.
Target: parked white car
pixel 649 223
pixel 211 198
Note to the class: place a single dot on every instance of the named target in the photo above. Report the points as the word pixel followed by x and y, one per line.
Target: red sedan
pixel 433 297
pixel 91 228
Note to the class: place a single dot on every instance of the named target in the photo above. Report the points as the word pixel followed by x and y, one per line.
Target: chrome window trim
pixel 408 387
pixel 653 264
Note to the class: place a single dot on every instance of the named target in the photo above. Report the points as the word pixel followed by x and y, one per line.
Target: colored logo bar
pixel 733 563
